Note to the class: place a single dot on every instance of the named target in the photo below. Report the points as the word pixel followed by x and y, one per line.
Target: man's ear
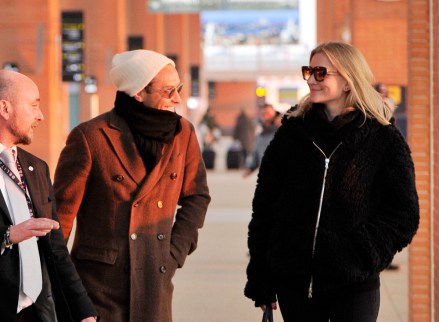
pixel 139 96
pixel 5 108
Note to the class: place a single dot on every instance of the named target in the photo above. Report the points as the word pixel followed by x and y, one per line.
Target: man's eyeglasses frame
pixel 169 92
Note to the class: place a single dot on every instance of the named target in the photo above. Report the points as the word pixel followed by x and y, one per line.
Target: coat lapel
pixel 31 173
pixel 120 137
pixel 4 207
pixel 157 173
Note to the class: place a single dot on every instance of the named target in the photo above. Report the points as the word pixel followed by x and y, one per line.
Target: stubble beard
pixel 20 138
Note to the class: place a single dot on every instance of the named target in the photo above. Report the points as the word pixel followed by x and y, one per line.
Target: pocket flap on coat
pixel 104 255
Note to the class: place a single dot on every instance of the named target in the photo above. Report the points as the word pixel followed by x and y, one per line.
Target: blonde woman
pixel 335 199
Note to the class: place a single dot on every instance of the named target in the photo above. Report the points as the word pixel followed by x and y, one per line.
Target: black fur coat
pixel 369 209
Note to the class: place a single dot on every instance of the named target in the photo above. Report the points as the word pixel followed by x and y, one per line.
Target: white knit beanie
pixel 133 70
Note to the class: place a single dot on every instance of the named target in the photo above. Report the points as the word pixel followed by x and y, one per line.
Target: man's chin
pixel 24 141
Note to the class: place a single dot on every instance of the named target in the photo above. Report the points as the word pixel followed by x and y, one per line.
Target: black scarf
pixel 151 127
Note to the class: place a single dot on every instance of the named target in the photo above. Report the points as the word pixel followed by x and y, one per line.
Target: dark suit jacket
pixel 61 282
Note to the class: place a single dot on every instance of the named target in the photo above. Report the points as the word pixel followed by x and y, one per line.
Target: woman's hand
pixel 273 306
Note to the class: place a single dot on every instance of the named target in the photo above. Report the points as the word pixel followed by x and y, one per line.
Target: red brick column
pixel 419 109
pixel 436 154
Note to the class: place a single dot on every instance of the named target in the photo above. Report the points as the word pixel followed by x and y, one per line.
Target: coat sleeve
pixel 395 217
pixel 193 201
pixel 260 284
pixel 71 177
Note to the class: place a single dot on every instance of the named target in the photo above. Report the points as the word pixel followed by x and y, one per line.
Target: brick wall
pixel 28 35
pixel 377 28
pixel 419 104
pixel 231 97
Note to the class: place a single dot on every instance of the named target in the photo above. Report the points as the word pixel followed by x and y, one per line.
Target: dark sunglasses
pixel 319 72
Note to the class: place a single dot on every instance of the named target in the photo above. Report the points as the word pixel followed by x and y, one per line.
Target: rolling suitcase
pixel 234 157
pixel 209 158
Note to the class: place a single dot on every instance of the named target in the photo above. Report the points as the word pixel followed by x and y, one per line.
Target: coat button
pixel 160 236
pixel 118 177
pixel 162 269
pixel 173 175
pixel 136 205
pixel 160 204
pixel 133 236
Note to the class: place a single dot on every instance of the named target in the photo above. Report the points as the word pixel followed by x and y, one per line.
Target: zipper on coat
pixel 322 193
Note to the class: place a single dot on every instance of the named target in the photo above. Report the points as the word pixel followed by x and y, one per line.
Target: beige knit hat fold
pixel 132 70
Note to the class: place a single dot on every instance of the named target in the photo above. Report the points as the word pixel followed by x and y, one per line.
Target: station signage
pixel 72 43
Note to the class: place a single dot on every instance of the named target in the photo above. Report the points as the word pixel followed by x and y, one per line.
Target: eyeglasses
pixel 319 72
pixel 168 92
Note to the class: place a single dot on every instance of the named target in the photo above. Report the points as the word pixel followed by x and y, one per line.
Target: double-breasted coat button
pixel 162 269
pixel 133 236
pixel 160 204
pixel 118 177
pixel 160 236
pixel 173 175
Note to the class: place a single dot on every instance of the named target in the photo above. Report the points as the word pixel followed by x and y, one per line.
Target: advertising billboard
pixel 187 6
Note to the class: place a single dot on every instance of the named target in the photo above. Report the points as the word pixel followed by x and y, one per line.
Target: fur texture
pixel 369 212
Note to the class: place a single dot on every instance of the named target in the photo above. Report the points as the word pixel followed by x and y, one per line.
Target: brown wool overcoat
pixel 133 229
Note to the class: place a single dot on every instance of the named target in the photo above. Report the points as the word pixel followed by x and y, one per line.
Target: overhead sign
pixel 72 26
pixel 172 6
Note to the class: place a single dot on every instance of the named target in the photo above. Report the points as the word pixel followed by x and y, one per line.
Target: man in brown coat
pixel 135 180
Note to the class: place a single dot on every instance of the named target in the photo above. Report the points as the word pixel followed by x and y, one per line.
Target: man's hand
pixel 32 227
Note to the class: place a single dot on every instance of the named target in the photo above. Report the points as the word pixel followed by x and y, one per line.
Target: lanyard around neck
pixel 19 183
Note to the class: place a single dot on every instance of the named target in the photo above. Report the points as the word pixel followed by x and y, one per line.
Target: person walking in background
pixel 209 130
pixel 38 279
pixel 244 133
pixel 208 133
pixel 135 181
pixel 382 89
pixel 270 122
pixel 335 200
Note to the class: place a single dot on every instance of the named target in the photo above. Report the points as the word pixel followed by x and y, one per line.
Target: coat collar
pixel 119 136
pixel 121 139
pixel 30 177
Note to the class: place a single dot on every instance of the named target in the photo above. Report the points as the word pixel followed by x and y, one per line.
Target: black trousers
pixel 362 307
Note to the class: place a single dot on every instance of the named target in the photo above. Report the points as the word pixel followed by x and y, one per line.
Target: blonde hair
pixel 352 66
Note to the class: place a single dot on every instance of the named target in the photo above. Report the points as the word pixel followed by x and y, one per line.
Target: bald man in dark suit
pixel 58 294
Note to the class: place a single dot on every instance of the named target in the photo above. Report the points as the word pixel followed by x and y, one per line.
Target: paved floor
pixel 209 288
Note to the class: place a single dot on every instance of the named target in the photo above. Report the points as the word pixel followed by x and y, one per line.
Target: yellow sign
pixel 395 93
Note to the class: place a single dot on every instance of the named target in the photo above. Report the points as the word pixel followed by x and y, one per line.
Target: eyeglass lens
pixel 177 88
pixel 319 72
